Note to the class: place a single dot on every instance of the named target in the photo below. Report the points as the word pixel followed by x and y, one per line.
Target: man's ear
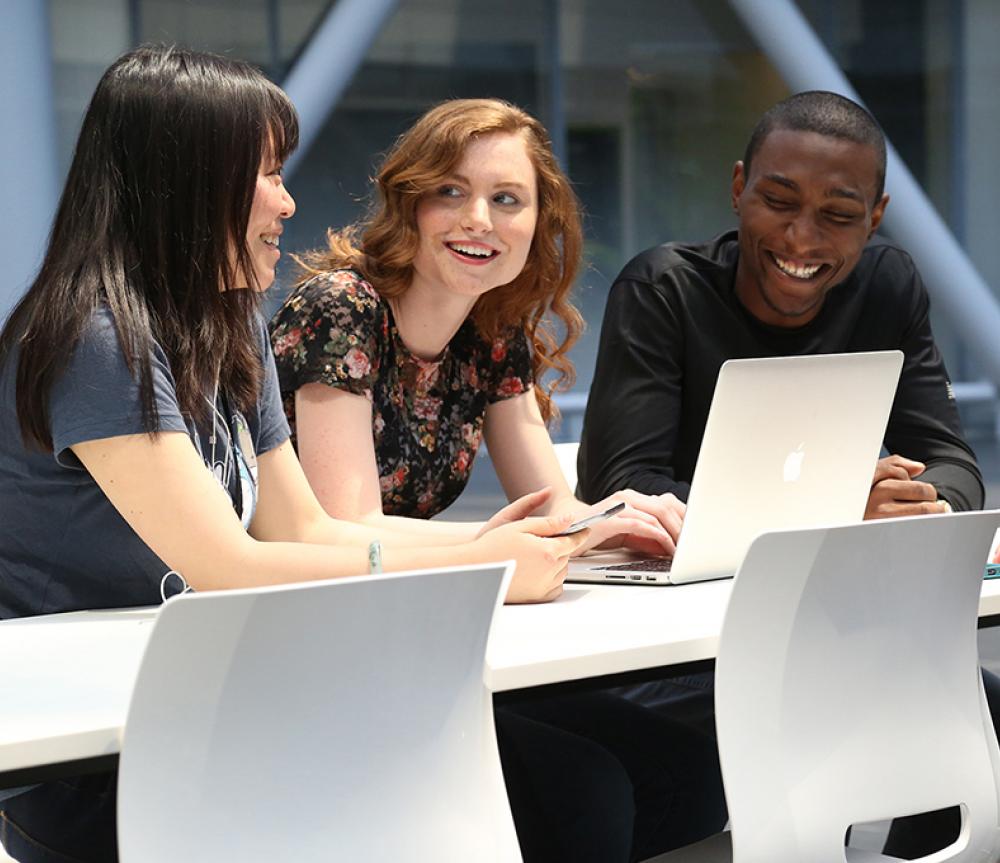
pixel 738 185
pixel 877 212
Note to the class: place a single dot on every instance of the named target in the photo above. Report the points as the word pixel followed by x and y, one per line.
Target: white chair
pixel 848 691
pixel 566 454
pixel 343 720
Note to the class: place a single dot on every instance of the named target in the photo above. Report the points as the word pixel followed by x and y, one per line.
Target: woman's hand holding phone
pixel 540 552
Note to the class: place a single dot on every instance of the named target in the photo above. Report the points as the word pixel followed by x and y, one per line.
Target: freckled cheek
pixel 524 247
pixel 521 231
pixel 433 217
pixel 431 236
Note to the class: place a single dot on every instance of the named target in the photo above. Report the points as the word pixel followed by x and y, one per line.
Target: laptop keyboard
pixel 654 564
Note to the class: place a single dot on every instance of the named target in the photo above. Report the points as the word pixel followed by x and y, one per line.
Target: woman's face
pixel 271 204
pixel 476 228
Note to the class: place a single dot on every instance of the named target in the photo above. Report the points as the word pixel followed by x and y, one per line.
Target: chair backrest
pixel 848 687
pixel 566 453
pixel 342 720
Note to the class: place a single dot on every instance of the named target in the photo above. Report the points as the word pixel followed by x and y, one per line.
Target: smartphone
pixel 577 526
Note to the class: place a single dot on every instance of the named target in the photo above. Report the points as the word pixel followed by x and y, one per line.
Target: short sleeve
pixel 98 397
pixel 274 428
pixel 509 366
pixel 331 330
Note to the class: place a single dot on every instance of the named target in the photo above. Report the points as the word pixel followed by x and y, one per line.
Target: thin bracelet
pixel 374 557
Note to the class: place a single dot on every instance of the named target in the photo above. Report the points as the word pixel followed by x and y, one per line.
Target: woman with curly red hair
pixel 418 333
pixel 427 327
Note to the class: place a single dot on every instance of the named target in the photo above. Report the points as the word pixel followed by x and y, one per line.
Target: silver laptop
pixel 790 442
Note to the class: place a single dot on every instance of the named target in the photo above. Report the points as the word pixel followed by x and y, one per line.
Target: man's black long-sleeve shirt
pixel 673 319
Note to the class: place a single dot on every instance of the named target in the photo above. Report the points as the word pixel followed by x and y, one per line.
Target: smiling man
pixel 798 276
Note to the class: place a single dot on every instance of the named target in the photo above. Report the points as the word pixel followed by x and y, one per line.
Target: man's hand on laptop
pixel 649 524
pixel 896 491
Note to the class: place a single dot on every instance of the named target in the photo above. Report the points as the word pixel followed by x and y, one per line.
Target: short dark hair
pixel 824 113
pixel 152 222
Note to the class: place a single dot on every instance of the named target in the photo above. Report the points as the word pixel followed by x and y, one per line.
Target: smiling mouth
pixel 273 240
pixel 797 271
pixel 473 253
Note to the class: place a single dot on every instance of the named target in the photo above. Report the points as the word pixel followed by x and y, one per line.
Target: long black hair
pixel 152 221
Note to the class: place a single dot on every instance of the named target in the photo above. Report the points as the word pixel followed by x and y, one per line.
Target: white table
pixel 66 679
pixel 596 630
pixel 66 683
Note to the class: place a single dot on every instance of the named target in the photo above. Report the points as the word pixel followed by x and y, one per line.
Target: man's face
pixel 805 213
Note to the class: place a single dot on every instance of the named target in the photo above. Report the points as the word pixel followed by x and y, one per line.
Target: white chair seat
pixel 343 720
pixel 848 691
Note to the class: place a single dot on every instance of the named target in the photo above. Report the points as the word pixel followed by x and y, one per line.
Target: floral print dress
pixel 427 417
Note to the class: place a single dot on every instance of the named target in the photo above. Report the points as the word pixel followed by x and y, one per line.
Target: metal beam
pixel 328 63
pixel 952 280
pixel 29 172
pixel 551 49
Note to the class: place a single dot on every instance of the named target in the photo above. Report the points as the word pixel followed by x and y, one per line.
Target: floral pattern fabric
pixel 427 416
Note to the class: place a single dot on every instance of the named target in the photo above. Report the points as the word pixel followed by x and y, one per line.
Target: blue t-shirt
pixel 63 546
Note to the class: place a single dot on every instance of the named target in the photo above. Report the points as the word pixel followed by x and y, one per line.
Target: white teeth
pixel 478 251
pixel 271 240
pixel 798 272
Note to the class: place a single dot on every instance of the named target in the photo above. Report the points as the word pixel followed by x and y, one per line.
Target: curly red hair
pixel 382 247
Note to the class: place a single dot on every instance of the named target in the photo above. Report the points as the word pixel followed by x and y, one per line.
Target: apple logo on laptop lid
pixel 793 464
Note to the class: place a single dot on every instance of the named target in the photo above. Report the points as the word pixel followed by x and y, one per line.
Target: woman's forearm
pixel 444 532
pixel 565 504
pixel 391 531
pixel 268 563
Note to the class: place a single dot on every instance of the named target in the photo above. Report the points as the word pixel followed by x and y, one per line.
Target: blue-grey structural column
pixel 29 174
pixel 552 63
pixel 952 280
pixel 326 66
